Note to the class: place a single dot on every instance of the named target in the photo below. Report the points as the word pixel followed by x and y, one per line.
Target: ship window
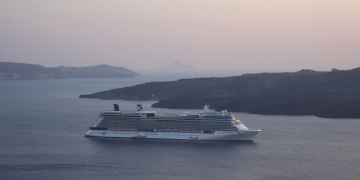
pixel 150 115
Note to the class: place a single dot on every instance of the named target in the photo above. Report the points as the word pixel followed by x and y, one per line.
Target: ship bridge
pixel 148 113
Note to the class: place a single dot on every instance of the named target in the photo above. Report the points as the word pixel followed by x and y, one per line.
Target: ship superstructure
pixel 206 125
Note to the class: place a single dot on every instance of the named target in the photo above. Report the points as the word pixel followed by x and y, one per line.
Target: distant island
pixel 23 71
pixel 15 71
pixel 98 71
pixel 334 94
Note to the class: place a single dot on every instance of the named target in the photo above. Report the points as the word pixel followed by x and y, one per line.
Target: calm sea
pixel 42 127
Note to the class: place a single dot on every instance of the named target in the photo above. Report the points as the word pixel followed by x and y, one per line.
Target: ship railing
pixel 170 115
pixel 128 111
pixel 124 111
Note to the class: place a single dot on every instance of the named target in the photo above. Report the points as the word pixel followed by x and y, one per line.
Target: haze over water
pixel 42 137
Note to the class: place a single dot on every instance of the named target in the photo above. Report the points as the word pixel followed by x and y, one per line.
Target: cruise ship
pixel 140 124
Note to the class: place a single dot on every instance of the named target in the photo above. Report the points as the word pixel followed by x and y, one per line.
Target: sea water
pixel 42 127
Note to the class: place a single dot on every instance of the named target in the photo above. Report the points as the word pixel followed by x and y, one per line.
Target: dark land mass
pixel 98 71
pixel 23 71
pixel 334 94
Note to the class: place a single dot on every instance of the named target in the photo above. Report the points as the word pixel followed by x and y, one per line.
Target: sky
pixel 208 34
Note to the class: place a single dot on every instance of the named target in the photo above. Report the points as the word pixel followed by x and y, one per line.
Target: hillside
pixel 98 71
pixel 333 94
pixel 17 71
pixel 23 71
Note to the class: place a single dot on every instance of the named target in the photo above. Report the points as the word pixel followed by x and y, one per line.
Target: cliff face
pixel 325 94
pixel 17 71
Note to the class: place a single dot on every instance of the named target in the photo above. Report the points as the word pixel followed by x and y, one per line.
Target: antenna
pixel 206 107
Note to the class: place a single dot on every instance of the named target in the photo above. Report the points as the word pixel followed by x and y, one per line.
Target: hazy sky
pixel 209 34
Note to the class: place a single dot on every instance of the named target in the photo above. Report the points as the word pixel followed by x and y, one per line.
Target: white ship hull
pixel 244 135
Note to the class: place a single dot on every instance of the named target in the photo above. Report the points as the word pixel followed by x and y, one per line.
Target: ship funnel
pixel 116 107
pixel 139 107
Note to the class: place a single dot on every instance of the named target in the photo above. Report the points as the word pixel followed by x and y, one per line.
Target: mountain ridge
pixel 25 71
pixel 96 71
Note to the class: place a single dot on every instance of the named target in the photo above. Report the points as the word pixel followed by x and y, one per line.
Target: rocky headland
pixel 23 71
pixel 334 94
pixel 98 71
